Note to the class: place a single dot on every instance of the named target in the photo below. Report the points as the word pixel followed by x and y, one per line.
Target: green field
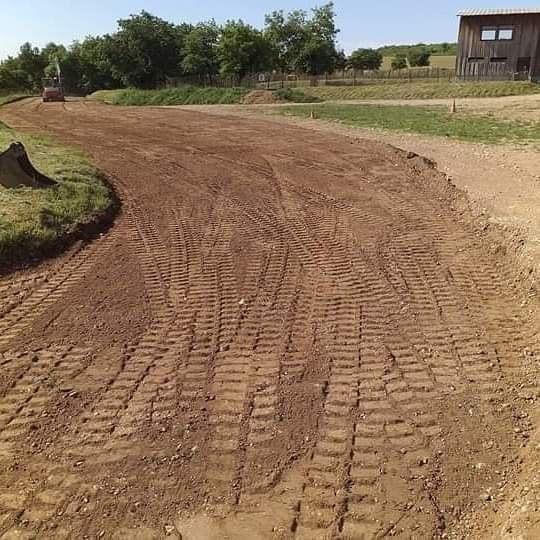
pixel 34 221
pixel 434 61
pixel 424 90
pixel 435 121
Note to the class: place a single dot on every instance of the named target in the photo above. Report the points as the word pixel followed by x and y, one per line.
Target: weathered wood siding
pixel 525 43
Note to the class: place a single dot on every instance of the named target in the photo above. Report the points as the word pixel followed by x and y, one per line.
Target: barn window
pixel 499 59
pixel 489 33
pixel 475 59
pixel 506 34
pixel 497 33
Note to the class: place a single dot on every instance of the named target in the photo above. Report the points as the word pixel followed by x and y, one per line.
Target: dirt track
pixel 287 334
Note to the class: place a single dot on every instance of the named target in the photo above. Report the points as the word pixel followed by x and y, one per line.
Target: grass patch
pixel 295 95
pixel 185 95
pixel 424 90
pixel 34 222
pixel 435 61
pixel 425 121
pixel 10 98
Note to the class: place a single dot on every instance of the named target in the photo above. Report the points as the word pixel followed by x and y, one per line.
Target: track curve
pixel 283 335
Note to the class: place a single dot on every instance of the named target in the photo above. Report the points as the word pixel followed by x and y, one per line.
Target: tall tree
pixel 319 53
pixel 287 35
pixel 200 51
pixel 302 43
pixel 146 50
pixel 31 62
pixel 243 49
pixel 94 55
pixel 12 77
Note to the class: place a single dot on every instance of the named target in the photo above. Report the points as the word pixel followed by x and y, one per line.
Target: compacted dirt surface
pixel 286 334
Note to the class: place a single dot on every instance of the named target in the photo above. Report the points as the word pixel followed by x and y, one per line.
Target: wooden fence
pixel 273 81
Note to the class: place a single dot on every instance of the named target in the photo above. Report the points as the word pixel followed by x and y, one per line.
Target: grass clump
pixel 435 121
pixel 424 90
pixel 34 222
pixel 11 97
pixel 295 95
pixel 185 95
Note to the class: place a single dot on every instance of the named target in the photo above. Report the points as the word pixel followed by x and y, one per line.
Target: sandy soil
pixel 286 334
pixel 525 108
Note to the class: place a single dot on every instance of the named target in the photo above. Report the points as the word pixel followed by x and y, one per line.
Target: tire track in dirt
pixel 312 306
pixel 52 291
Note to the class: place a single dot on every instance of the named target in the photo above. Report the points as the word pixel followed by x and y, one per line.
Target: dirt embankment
pixel 286 332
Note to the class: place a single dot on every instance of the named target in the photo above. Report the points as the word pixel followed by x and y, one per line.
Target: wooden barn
pixel 499 44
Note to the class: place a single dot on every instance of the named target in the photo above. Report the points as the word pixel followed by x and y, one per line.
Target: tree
pixel 69 62
pixel 418 56
pixel 146 50
pixel 31 62
pixel 399 61
pixel 242 49
pixel 287 35
pixel 316 58
pixel 341 60
pixel 200 51
pixel 94 54
pixel 365 59
pixel 301 43
pixel 12 77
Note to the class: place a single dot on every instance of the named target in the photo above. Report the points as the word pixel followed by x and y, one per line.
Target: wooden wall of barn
pixel 525 43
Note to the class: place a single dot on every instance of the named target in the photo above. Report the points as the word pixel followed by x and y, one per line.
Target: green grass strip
pixel 185 95
pixel 33 221
pixel 424 90
pixel 10 98
pixel 423 120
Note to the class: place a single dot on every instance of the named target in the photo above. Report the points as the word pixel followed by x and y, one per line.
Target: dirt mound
pixel 260 97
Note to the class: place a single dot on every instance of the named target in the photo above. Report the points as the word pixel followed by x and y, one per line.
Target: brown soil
pixel 286 334
pixel 260 97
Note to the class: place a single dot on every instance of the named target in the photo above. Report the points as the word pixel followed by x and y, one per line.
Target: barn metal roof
pixel 514 11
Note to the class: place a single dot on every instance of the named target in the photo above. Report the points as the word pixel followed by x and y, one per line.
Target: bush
pixel 418 57
pixel 295 96
pixel 399 62
pixel 366 59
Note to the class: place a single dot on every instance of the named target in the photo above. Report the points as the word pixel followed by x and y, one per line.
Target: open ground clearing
pixel 287 334
pixel 35 222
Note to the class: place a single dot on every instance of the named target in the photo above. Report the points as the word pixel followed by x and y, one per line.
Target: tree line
pixel 146 51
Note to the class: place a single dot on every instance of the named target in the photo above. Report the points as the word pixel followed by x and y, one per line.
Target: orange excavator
pixel 53 87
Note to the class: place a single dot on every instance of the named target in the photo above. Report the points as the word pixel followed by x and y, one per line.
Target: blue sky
pixel 362 23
